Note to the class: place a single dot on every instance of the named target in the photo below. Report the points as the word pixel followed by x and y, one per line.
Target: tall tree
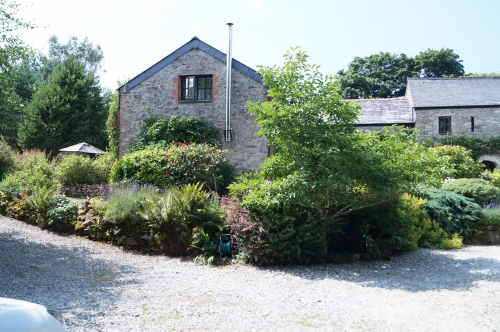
pixel 380 75
pixel 439 63
pixel 384 75
pixel 322 167
pixel 69 109
pixel 12 50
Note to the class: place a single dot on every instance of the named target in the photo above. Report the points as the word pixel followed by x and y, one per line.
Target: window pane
pixel 201 94
pixel 209 94
pixel 208 82
pixel 201 83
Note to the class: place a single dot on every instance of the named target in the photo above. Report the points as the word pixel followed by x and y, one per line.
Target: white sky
pixel 134 35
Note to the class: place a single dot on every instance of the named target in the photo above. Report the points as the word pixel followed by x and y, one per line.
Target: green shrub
pixel 34 161
pixel 395 225
pixel 173 215
pixel 41 199
pixel 478 145
pixel 477 189
pixel 61 211
pixel 453 212
pixel 31 170
pixel 103 165
pixel 460 158
pixel 20 182
pixel 76 168
pixel 7 157
pixel 275 235
pixel 124 203
pixel 176 129
pixel 495 178
pixel 177 165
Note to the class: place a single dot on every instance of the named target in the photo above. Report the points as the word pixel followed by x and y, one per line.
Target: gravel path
pixel 99 287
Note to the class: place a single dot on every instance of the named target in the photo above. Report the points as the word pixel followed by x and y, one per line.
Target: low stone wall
pixel 487 235
pixel 84 190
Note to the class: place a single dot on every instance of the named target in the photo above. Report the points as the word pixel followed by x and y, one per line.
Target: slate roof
pixel 453 92
pixel 194 43
pixel 384 111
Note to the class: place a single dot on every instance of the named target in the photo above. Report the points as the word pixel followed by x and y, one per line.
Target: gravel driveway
pixel 99 287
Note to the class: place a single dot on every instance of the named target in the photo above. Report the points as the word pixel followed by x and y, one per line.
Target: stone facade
pixel 158 95
pixel 486 121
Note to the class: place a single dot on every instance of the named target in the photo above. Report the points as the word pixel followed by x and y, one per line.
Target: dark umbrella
pixel 82 147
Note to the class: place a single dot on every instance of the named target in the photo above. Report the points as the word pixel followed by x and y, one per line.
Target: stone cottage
pixel 192 82
pixel 440 106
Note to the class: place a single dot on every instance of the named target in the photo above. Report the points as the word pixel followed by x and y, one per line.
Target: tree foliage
pixel 439 63
pixel 384 75
pixel 380 75
pixel 480 190
pixel 174 129
pixel 12 50
pixel 69 109
pixel 322 168
pixel 113 124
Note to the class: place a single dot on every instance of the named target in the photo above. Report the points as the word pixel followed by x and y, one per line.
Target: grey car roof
pixel 194 43
pixel 453 92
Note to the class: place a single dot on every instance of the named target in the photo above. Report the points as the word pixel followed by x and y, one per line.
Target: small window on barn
pixel 196 88
pixel 444 124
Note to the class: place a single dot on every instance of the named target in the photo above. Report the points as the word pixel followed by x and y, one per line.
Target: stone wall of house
pixel 158 95
pixel 84 190
pixel 486 121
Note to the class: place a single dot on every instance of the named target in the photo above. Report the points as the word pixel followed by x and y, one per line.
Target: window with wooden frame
pixel 196 88
pixel 444 124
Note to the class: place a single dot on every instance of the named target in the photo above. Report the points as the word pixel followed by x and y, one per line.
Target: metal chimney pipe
pixel 229 64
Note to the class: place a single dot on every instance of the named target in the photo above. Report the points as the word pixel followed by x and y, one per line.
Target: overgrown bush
pixel 399 225
pixel 7 157
pixel 176 129
pixel 31 170
pixel 34 161
pixel 396 225
pixel 477 189
pixel 176 215
pixel 453 212
pixel 478 145
pixel 275 236
pixel 173 166
pixel 463 164
pixel 76 168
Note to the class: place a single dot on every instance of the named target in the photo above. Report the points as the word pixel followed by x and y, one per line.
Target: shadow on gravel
pixel 70 279
pixel 436 270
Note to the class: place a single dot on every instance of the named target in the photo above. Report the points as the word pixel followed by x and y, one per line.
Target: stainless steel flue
pixel 228 130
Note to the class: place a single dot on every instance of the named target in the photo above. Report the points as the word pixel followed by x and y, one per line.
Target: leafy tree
pixel 84 51
pixel 439 63
pixel 113 124
pixel 322 168
pixel 12 50
pixel 494 74
pixel 67 110
pixel 380 75
pixel 384 75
